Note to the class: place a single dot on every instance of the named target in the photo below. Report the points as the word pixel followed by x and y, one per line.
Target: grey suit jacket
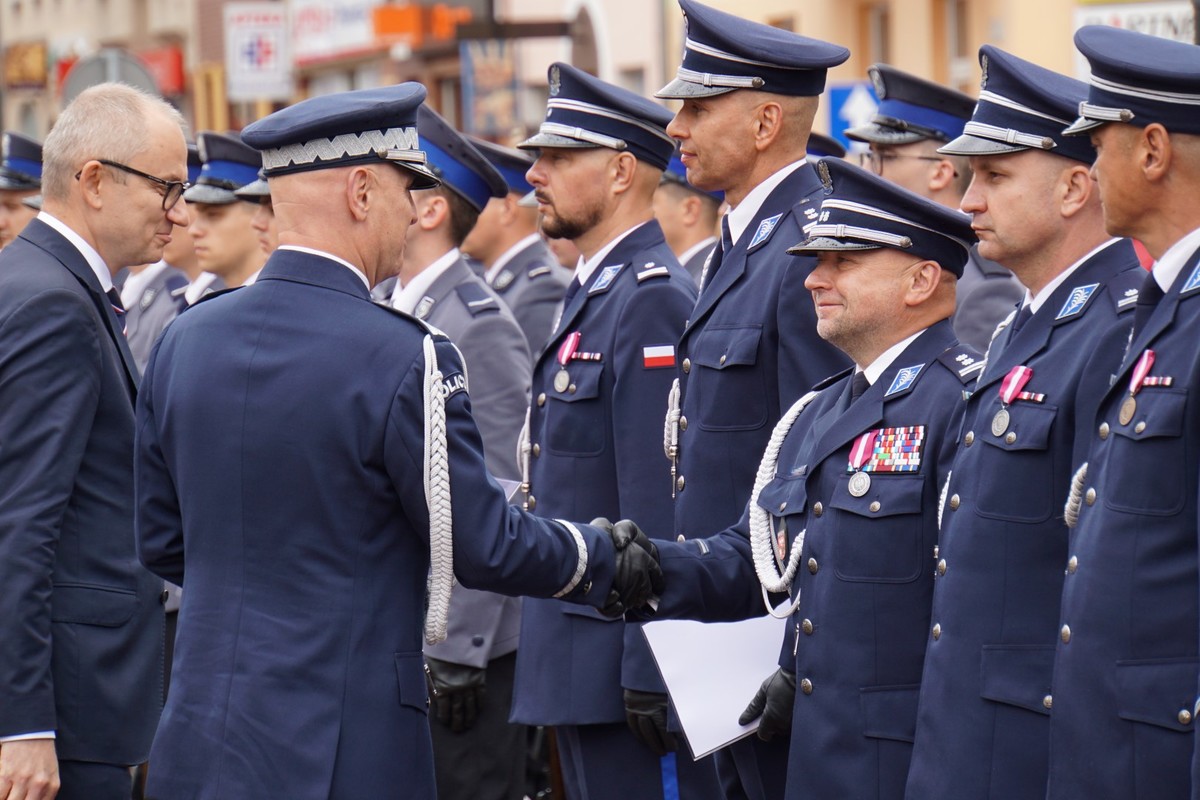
pixel 987 292
pixel 532 284
pixel 482 625
pixel 150 313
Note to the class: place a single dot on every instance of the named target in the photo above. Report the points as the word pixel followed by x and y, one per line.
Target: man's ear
pixel 361 183
pixel 923 280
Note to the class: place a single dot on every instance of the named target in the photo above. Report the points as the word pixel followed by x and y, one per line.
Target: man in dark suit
pixel 517 263
pixel 81 637
pixel 751 348
pixel 477 753
pixel 984 722
pixel 843 514
pixel 1125 666
pixel 308 469
pixel 593 448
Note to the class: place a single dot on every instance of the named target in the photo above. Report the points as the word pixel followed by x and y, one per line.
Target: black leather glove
pixel 456 692
pixel 773 703
pixel 637 576
pixel 646 716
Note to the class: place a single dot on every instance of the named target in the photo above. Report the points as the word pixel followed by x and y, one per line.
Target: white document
pixel 712 671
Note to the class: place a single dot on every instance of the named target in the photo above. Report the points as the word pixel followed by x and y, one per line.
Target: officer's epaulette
pixel 652 269
pixel 832 379
pixel 539 271
pixel 1124 288
pixel 964 361
pixel 476 298
pixel 420 323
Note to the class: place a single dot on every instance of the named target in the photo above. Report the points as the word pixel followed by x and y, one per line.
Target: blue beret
pixel 256 191
pixel 1021 107
pixel 862 211
pixel 912 109
pixel 676 173
pixel 227 164
pixel 510 163
pixel 193 162
pixel 723 52
pixel 343 129
pixel 21 167
pixel 584 111
pixel 456 161
pixel 1138 79
pixel 822 146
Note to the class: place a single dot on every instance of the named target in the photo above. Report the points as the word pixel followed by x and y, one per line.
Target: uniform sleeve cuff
pixel 21 737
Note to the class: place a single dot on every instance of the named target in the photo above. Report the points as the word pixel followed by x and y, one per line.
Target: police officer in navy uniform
pixel 476 752
pixel 517 264
pixel 751 349
pixel 858 464
pixel 983 724
pixel 20 179
pixel 595 425
pixel 915 116
pixel 1125 667
pixel 352 490
pixel 689 218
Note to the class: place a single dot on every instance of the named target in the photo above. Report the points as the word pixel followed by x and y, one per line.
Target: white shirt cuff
pixel 20 737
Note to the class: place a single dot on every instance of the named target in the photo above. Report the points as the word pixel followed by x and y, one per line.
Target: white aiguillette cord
pixel 774 582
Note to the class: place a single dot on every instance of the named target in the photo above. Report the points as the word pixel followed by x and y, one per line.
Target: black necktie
pixel 858 385
pixel 1023 316
pixel 1148 298
pixel 572 290
pixel 114 298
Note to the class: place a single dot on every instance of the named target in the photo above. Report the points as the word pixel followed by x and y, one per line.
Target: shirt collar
pixel 744 213
pixel 876 367
pixel 585 269
pixel 195 289
pixel 362 276
pixel 406 296
pixel 86 250
pixel 686 255
pixel 509 254
pixel 1167 268
pixel 1040 299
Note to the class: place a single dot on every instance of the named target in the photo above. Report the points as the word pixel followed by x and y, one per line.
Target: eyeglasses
pixel 874 161
pixel 172 190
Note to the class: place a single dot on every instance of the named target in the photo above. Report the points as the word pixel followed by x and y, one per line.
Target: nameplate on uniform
pixel 892 450
pixel 904 379
pixel 1193 281
pixel 607 276
pixel 764 231
pixel 1078 299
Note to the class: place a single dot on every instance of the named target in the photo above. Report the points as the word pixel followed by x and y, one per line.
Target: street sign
pixel 850 105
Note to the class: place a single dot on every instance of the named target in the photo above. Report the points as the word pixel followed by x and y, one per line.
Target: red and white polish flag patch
pixel 659 355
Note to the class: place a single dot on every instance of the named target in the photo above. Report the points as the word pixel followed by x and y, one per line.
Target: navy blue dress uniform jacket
pixel 81 634
pixel 1125 668
pixel 279 469
pixel 597 451
pixel 865 580
pixel 983 725
pixel 750 350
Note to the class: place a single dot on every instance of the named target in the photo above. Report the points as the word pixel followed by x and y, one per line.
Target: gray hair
pixel 105 121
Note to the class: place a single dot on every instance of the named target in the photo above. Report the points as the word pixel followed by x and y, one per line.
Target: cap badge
pixel 555 81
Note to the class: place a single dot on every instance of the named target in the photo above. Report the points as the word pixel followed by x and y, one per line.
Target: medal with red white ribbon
pixel 1011 388
pixel 860 454
pixel 565 351
pixel 1136 381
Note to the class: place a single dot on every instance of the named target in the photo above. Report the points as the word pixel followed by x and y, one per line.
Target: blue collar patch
pixel 607 276
pixel 904 379
pixel 1078 299
pixel 765 229
pixel 1193 281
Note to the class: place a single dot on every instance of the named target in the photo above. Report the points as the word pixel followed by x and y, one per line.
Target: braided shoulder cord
pixel 437 498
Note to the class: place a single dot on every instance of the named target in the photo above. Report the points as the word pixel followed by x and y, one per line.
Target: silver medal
pixel 860 484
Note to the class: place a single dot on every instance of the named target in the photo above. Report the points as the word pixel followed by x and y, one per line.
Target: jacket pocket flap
pixel 92 605
pixel 726 347
pixel 1018 675
pixel 784 496
pixel 410 679
pixel 1159 412
pixel 889 494
pixel 584 382
pixel 890 712
pixel 1028 427
pixel 1157 692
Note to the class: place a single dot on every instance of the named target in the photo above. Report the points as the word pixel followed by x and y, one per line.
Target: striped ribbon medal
pixel 1010 388
pixel 860 454
pixel 1136 381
